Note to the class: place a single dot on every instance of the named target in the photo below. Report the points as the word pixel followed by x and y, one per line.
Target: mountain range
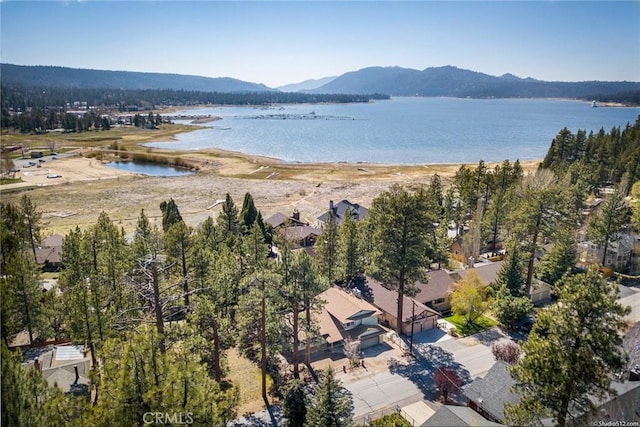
pixel 63 77
pixel 395 81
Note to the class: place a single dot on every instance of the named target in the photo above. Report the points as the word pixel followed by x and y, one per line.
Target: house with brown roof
pixel 293 229
pixel 347 317
pixel 413 312
pixel 436 292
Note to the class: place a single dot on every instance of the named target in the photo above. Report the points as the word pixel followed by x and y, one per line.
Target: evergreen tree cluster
pixel 156 314
pixel 46 99
pixel 596 159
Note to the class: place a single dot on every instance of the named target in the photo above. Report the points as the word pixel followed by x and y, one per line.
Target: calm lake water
pixel 149 169
pixel 403 130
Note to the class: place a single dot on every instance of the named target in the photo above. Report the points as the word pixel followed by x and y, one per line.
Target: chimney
pixel 331 211
pixel 36 365
pixel 75 368
pixel 296 215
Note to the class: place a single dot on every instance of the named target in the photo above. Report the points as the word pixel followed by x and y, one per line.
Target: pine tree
pixel 32 219
pixel 216 275
pixel 177 240
pixel 142 238
pixel 23 288
pixel 261 326
pixel 248 213
pixel 294 407
pixel 301 284
pixel 604 228
pixel 24 392
pixel 349 251
pixel 139 378
pixel 403 224
pixel 508 309
pixel 228 221
pixel 572 351
pixel 170 214
pixel 543 207
pixel 560 259
pixel 330 405
pixel 328 247
pixel 511 274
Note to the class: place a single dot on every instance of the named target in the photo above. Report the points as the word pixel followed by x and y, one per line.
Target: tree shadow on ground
pixel 268 418
pixel 490 336
pixel 428 359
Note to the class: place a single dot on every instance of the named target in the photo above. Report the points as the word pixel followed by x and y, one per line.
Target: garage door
pixel 368 342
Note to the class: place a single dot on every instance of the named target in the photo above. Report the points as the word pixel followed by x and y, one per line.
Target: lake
pixel 149 169
pixel 403 130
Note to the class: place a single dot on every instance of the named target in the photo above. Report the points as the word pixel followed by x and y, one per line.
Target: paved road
pixel 407 381
pixel 383 390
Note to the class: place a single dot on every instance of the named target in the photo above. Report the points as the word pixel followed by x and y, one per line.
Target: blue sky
pixel 277 43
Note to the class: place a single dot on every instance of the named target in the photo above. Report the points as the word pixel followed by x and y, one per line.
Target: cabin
pixel 342 208
pixel 343 317
pixel 416 316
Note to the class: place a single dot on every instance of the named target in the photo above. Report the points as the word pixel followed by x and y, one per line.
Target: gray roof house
pixel 64 366
pixel 340 209
pixel 49 253
pixel 488 272
pixel 487 396
pixel 457 416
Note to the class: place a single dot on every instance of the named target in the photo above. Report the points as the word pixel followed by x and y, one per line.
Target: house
pixel 487 396
pixel 62 366
pixel 436 292
pixel 49 254
pixel 280 220
pixel 457 416
pixel 304 236
pixel 340 209
pixel 620 253
pixel 346 317
pixel 488 272
pixel 293 229
pixel 387 301
pixel 540 292
pixel 623 406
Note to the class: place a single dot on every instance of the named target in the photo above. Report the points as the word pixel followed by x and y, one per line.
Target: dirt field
pixel 86 187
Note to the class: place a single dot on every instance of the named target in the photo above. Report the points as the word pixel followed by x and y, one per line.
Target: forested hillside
pixel 456 82
pixel 64 77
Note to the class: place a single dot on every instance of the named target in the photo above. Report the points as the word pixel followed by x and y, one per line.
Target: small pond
pixel 149 169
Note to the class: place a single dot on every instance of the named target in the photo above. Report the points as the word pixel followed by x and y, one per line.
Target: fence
pixel 366 419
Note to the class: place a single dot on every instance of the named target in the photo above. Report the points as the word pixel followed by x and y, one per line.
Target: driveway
pixel 472 354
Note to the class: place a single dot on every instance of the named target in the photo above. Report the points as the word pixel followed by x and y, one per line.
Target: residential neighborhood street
pixel 407 381
pixel 392 379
